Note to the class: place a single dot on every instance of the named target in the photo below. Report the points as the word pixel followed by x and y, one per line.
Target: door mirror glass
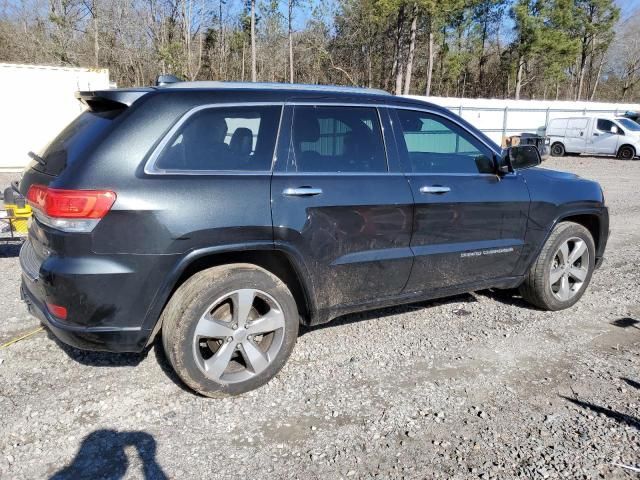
pixel 524 156
pixel 614 130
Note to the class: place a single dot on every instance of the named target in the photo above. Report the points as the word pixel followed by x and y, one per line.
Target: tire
pixel 626 152
pixel 229 329
pixel 539 287
pixel 557 150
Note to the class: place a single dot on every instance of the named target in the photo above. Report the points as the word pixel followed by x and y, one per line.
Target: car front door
pixel 603 141
pixel 338 207
pixel 469 222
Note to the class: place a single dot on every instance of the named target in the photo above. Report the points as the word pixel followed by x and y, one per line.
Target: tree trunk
pixel 429 59
pixel 412 49
pixel 96 43
pixel 597 80
pixel 397 64
pixel 254 75
pixel 291 79
pixel 519 76
pixel 582 67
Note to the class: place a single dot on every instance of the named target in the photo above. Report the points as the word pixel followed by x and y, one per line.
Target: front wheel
pixel 562 272
pixel 557 150
pixel 626 152
pixel 229 329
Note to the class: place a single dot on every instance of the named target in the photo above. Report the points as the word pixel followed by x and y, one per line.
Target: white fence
pixel 499 118
pixel 37 103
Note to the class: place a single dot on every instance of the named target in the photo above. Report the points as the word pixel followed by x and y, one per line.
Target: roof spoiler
pixel 100 100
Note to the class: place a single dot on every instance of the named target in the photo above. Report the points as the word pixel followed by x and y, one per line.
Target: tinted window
pixel 604 125
pixel 234 138
pixel 436 145
pixel 337 139
pixel 83 132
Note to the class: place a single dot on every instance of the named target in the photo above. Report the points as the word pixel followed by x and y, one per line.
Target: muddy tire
pixel 562 271
pixel 229 329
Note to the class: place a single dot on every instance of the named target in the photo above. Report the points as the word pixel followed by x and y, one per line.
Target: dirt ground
pixel 475 386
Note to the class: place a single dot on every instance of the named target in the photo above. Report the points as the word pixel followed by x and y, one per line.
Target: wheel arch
pixel 277 261
pixel 590 221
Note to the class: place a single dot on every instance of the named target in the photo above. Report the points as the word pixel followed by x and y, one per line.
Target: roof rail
pixel 219 85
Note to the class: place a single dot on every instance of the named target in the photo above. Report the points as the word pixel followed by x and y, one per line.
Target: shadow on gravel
pixel 10 249
pixel 617 416
pixel 99 359
pixel 508 297
pixel 389 311
pixel 626 322
pixel 102 455
pixel 631 383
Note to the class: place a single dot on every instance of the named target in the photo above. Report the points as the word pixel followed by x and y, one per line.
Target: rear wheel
pixel 563 270
pixel 626 152
pixel 230 329
pixel 557 150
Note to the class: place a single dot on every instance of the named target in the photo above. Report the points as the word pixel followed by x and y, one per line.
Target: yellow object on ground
pixel 19 217
pixel 22 337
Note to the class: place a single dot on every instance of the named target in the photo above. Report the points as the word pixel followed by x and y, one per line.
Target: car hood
pixel 556 174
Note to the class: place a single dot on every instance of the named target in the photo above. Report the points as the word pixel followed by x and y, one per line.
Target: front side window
pixel 225 138
pixel 337 139
pixel 605 125
pixel 436 145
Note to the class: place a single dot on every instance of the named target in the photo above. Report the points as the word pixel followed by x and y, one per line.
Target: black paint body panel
pixel 368 240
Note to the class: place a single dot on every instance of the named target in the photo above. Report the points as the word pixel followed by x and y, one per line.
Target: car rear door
pixel 576 139
pixel 469 223
pixel 338 206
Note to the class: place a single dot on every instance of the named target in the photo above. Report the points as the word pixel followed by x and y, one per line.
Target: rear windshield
pixel 75 140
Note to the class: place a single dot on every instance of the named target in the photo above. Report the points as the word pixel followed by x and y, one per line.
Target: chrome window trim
pixel 150 166
pixel 453 120
pixel 350 105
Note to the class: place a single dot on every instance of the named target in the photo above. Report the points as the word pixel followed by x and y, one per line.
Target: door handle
pixel 596 134
pixel 301 192
pixel 435 189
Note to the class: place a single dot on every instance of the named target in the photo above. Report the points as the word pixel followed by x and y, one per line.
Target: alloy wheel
pixel 238 336
pixel 569 268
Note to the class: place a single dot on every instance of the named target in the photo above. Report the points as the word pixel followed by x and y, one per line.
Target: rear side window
pixel 78 137
pixel 337 139
pixel 225 138
pixel 436 145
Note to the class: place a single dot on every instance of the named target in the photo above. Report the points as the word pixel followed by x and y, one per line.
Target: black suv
pixel 224 215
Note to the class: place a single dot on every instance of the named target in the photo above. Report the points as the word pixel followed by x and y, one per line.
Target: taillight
pixel 70 210
pixel 57 311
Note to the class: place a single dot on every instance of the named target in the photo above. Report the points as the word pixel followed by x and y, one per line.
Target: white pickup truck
pixel 599 135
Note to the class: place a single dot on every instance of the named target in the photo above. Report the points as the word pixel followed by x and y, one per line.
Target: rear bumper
pixel 86 338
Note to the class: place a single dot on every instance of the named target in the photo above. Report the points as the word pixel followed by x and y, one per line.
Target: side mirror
pixel 614 130
pixel 523 156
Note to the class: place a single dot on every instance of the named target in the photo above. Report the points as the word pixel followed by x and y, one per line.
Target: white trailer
pixel 37 103
pixel 500 118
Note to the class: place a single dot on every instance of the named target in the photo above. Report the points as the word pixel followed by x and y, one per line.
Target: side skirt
pixel 326 315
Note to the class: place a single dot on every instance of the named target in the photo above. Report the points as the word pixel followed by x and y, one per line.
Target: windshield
pixel 81 134
pixel 629 124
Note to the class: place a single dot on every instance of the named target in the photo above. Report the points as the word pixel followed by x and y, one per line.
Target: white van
pixel 594 135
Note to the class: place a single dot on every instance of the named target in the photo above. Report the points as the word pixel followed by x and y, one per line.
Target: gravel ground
pixel 476 386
